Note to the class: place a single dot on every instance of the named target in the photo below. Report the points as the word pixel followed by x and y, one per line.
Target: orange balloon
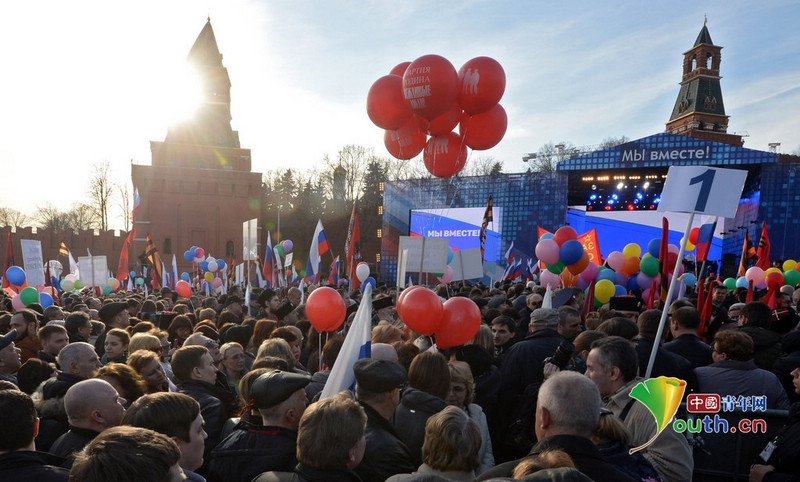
pixel 631 266
pixel 568 279
pixel 577 268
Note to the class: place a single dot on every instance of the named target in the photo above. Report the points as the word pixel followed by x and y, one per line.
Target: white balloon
pixel 362 271
pixel 212 266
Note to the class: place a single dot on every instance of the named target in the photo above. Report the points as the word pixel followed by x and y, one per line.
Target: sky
pixel 94 81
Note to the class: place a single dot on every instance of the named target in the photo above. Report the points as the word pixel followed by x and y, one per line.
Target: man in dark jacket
pixel 666 364
pixel 196 374
pixel 754 320
pixel 249 450
pixel 567 413
pixel 377 390
pixel 683 325
pixel 19 460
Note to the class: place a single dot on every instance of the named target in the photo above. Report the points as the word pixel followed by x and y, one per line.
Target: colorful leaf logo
pixel 662 396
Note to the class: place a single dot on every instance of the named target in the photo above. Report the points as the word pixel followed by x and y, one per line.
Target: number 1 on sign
pixel 707 179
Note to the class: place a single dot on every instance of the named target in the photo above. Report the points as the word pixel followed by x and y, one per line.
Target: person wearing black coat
pixel 780 459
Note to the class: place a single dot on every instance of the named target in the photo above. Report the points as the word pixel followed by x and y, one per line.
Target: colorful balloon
pixel 649 266
pixel 604 290
pixel 199 253
pixel 482 82
pixel 741 282
pixel 564 234
pixel 460 322
pixel 581 265
pixel 288 246
pixel 571 252
pixel 694 236
pixel 730 283
pixel 616 261
pixel 45 299
pixel 369 281
pixel 548 251
pixel 789 264
pixel 183 288
pixel 791 277
pixel 15 275
pixel 362 271
pixel 29 295
pixel 386 106
pixel 448 275
pixel 546 277
pixel 445 155
pixel 654 247
pixel 590 273
pixel 754 274
pixel 632 250
pixel 188 256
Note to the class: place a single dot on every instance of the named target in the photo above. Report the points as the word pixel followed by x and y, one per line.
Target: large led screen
pixel 461 226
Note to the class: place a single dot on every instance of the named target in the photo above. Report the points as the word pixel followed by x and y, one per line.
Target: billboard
pixel 461 227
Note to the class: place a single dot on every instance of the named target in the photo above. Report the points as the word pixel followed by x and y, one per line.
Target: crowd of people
pixel 133 387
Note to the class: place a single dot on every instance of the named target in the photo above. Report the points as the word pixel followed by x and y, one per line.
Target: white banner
pixel 32 261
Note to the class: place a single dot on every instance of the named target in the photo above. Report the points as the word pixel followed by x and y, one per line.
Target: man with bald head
pixel 92 406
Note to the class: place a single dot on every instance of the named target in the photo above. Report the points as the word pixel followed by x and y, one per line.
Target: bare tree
pixel 101 187
pixel 125 204
pixel 549 155
pixel 612 141
pixel 351 162
pixel 79 216
pixel 12 217
pixel 482 166
pixel 397 169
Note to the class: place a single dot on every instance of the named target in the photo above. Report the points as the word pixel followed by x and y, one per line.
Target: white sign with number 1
pixel 702 189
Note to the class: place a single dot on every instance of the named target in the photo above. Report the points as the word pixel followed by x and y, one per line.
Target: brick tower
pixel 699 111
pixel 199 189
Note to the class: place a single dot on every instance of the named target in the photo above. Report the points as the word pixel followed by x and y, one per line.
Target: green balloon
pixel 791 277
pixel 279 249
pixel 555 268
pixel 730 283
pixel 31 295
pixel 78 284
pixel 106 289
pixel 438 275
pixel 649 266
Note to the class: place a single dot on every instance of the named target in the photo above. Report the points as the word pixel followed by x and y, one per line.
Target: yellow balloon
pixel 209 276
pixel 632 249
pixel 689 245
pixel 604 290
pixel 789 264
pixel 772 270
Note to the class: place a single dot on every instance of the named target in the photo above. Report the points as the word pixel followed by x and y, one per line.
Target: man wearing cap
pixel 26 322
pixel 113 315
pixel 377 390
pixel 523 362
pixel 280 398
pixel 9 357
pixel 235 306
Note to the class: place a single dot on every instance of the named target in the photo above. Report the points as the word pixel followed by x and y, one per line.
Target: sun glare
pixel 184 94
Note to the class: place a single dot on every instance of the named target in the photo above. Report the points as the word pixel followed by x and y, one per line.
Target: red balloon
pixel 482 82
pixel 385 105
pixel 462 319
pixel 405 142
pixel 430 86
pixel 774 280
pixel 421 310
pixel 442 124
pixel 694 235
pixel 484 131
pixel 403 294
pixel 325 309
pixel 445 155
pixel 400 68
pixel 184 289
pixel 564 234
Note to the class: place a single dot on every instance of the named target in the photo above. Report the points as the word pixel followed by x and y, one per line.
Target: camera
pixel 562 355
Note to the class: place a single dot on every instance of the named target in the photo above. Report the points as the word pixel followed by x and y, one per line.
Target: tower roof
pixel 702 38
pixel 205 50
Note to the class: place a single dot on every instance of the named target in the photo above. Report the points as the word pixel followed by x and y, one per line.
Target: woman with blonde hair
pixel 460 394
pixel 145 341
pixel 233 364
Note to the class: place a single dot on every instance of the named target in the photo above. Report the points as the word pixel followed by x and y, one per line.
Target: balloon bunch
pixel 446 276
pixel 211 266
pixel 427 97
pixel 23 295
pixel 284 247
pixel 362 273
pixel 454 322
pixel 562 251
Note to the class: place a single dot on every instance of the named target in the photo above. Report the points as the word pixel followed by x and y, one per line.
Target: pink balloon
pixel 590 273
pixel 547 251
pixel 673 249
pixel 616 261
pixel 447 276
pixel 216 283
pixel 548 278
pixel 199 253
pixel 755 274
pixel 17 303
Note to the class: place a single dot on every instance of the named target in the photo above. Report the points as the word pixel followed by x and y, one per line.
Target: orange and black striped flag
pixel 748 255
pixel 487 218
pixel 63 251
pixel 151 253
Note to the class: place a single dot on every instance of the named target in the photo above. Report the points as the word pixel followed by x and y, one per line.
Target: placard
pixel 94 270
pixel 702 189
pixel 467 264
pixel 32 261
pixel 250 240
pixel 425 255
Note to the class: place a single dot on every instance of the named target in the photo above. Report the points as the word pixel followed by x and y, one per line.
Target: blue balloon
pixel 188 256
pixel 571 252
pixel 185 276
pixel 689 279
pixel 654 246
pixel 741 282
pixel 192 250
pixel 449 255
pixel 633 283
pixel 15 275
pixel 133 274
pixel 369 281
pixel 204 265
pixel 608 274
pixel 546 236
pixel 620 290
pixel 221 264
pixel 45 299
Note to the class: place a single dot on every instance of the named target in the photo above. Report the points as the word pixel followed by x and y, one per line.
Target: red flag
pixel 9 260
pixel 662 259
pixel 763 249
pixel 122 268
pixel 588 303
pixel 750 292
pixel 652 294
pixel 701 301
pixel 151 254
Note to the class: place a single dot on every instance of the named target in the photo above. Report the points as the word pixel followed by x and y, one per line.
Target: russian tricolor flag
pixel 704 238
